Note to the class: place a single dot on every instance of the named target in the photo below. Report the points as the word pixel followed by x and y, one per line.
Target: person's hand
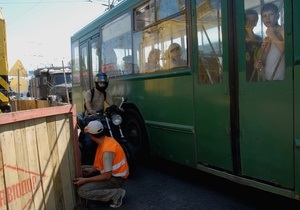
pixel 87 171
pixel 79 181
pixel 92 112
pixel 265 43
pixel 271 32
pixel 257 64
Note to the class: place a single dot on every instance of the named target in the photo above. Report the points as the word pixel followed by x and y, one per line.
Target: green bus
pixel 224 93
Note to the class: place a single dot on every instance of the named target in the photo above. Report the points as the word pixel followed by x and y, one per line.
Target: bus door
pixel 89 62
pixel 265 91
pixel 89 67
pixel 212 101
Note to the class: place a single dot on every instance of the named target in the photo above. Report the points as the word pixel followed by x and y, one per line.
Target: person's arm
pixel 277 36
pixel 88 105
pixel 89 108
pixel 80 181
pixel 109 100
pixel 263 53
pixel 108 158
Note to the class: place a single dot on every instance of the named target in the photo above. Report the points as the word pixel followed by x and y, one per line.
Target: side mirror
pixel 123 100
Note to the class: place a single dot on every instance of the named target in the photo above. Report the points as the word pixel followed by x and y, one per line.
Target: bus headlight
pixel 116 119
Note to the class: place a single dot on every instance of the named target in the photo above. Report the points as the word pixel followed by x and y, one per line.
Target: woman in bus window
pixel 272 59
pixel 153 61
pixel 173 56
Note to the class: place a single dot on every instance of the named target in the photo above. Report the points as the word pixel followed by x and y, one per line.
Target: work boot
pixel 116 204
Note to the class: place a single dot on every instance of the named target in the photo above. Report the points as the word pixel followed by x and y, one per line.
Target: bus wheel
pixel 135 132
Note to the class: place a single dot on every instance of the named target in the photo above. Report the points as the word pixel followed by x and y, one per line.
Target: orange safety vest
pixel 120 166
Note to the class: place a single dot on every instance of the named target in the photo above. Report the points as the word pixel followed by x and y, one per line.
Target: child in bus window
pixel 253 43
pixel 153 61
pixel 272 60
pixel 173 56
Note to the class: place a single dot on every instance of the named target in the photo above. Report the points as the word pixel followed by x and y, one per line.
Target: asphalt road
pixel 159 184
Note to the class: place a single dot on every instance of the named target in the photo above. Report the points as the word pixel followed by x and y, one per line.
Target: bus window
pixel 173 37
pixel 116 46
pixel 209 32
pixel 165 9
pixel 84 67
pixel 75 63
pixel 146 42
pixel 95 59
pixel 144 15
pixel 264 41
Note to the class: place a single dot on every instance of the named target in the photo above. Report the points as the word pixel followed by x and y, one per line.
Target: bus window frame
pixel 75 55
pixel 185 44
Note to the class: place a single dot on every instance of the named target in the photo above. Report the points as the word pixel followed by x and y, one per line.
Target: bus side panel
pixel 296 15
pixel 77 98
pixel 173 146
pixel 165 104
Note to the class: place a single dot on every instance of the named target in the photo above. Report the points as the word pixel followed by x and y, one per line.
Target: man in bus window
pixel 129 66
pixel 103 181
pixel 253 43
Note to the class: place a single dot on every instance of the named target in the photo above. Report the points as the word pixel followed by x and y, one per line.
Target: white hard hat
pixel 94 127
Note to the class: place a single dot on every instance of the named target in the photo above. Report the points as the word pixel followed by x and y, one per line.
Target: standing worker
pixel 110 166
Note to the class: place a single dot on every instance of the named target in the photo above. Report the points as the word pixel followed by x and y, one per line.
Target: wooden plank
pixel 26 104
pixel 36 113
pixel 13 105
pixel 34 167
pixel 57 183
pixel 25 181
pixel 70 148
pixel 66 179
pixel 46 165
pixel 74 156
pixel 10 162
pixel 42 103
pixel 2 178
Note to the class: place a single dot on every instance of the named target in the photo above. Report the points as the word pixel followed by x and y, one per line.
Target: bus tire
pixel 135 132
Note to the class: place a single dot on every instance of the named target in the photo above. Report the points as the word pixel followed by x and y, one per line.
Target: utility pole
pixel 111 4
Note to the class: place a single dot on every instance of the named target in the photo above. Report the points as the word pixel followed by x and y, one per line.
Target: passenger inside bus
pixel 173 57
pixel 272 60
pixel 153 61
pixel 129 66
pixel 253 43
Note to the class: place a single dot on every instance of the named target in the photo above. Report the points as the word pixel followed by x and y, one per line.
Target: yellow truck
pixel 4 100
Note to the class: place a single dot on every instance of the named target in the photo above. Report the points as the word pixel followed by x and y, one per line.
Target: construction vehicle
pixel 52 83
pixel 4 87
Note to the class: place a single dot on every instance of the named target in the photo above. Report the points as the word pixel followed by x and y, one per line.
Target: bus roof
pixel 119 9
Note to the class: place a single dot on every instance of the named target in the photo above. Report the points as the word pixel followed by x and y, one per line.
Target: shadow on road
pixel 159 184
